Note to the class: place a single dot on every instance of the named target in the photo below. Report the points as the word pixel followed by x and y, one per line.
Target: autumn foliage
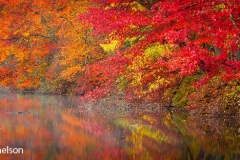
pixel 43 45
pixel 161 43
pixel 156 51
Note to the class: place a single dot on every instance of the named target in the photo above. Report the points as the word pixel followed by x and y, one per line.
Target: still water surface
pixel 58 128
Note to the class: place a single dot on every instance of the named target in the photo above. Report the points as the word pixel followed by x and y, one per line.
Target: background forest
pixel 173 53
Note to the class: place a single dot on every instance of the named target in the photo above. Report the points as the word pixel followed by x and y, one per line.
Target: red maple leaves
pixel 204 35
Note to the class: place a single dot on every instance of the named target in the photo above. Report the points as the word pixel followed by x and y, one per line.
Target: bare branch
pixel 233 21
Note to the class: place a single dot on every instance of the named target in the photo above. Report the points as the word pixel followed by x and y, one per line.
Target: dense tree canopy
pixel 43 45
pixel 157 50
pixel 162 42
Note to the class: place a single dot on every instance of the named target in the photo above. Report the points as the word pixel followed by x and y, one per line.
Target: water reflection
pixel 57 128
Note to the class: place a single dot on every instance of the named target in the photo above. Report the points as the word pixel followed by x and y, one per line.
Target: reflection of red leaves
pixel 95 128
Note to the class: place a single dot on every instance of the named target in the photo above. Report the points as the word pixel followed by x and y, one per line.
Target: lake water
pixel 58 128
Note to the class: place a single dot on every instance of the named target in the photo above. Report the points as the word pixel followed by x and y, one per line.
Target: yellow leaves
pixel 220 7
pixel 150 119
pixel 167 120
pixel 159 82
pixel 152 52
pixel 130 41
pixel 112 4
pixel 21 55
pixel 145 131
pixel 137 6
pixel 26 34
pixel 155 85
pixel 139 62
pixel 157 50
pixel 137 78
pixel 111 47
pixel 143 75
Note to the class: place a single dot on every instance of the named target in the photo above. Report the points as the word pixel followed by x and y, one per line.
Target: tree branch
pixel 233 21
pixel 11 39
pixel 43 36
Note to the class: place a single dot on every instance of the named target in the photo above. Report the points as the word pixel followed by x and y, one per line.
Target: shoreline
pixel 117 102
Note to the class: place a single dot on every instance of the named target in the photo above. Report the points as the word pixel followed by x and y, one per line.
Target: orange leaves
pixel 44 41
pixel 72 59
pixel 29 83
pixel 71 72
pixel 12 2
pixel 5 76
pixel 70 120
pixel 5 71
